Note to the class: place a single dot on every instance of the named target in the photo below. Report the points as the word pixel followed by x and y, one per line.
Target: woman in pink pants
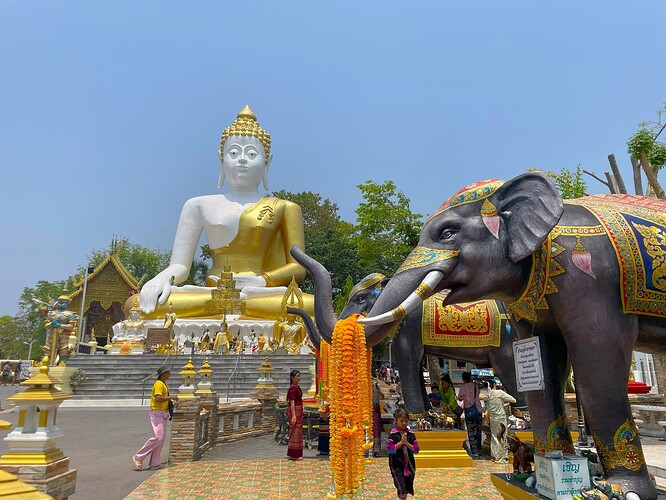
pixel 159 414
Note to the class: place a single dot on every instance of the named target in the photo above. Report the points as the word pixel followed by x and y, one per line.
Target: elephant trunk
pixel 323 296
pixel 414 299
pixel 313 332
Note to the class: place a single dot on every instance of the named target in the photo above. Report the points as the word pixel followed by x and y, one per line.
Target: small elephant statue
pixel 441 420
pixel 523 454
pixel 602 490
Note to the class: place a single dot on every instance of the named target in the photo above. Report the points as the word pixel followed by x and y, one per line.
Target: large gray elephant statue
pixel 408 346
pixel 587 277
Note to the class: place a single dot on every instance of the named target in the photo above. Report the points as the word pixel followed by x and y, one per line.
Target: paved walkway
pixel 101 441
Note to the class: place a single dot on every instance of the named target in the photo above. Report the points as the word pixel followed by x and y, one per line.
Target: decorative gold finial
pixel 293 297
pixel 246 112
pixel 488 209
pixel 246 125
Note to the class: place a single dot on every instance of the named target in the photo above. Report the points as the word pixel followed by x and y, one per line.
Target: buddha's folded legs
pixel 192 304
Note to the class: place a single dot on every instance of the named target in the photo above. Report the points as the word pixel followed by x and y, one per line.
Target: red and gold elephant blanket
pixel 472 324
pixel 636 226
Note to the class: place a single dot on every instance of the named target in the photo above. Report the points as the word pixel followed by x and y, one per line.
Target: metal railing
pixel 233 374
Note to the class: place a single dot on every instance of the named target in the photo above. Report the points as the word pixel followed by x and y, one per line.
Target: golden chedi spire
pixel 246 125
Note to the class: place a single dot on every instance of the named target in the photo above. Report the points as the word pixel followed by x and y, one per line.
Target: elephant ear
pixel 530 207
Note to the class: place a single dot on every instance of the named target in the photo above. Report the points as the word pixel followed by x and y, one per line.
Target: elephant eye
pixel 447 234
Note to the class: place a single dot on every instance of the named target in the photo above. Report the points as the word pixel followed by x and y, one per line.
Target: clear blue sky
pixel 112 111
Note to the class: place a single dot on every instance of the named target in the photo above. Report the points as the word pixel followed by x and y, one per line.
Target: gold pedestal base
pixel 441 449
pixel 510 491
pixel 528 435
pixel 11 487
pixel 32 458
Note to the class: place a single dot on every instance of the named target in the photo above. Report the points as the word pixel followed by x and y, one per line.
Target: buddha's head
pixel 135 312
pixel 245 153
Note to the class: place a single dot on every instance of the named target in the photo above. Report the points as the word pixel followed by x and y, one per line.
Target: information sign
pixel 529 370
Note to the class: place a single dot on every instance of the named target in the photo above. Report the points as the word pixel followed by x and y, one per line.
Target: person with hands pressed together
pixel 402 446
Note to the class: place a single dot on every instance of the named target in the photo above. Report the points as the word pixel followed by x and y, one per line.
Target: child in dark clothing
pixel 402 446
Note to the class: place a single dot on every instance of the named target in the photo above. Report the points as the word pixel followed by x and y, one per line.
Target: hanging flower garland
pixel 324 360
pixel 350 391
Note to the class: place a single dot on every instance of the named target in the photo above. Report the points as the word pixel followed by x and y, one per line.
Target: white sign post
pixel 529 370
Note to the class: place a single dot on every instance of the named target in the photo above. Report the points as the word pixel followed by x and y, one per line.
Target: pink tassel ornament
pixel 581 258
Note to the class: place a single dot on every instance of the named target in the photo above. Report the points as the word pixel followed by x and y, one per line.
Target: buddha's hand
pixel 156 290
pixel 243 280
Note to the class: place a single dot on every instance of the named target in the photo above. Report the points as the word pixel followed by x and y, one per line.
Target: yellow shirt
pixel 160 388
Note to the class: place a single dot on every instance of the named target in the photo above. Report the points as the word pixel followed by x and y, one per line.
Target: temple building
pixel 109 286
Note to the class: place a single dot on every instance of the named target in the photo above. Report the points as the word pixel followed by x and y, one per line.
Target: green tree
pixel 386 229
pixel 649 152
pixel 143 263
pixel 198 272
pixel 570 184
pixel 340 300
pixel 30 320
pixel 327 238
pixel 10 345
pixel 646 141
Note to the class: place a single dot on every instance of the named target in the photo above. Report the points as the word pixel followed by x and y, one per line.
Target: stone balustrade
pixel 200 423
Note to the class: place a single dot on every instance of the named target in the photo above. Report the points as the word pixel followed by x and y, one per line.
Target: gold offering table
pixel 512 489
pixel 442 448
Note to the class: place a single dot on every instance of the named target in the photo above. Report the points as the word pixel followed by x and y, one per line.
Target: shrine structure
pixel 109 286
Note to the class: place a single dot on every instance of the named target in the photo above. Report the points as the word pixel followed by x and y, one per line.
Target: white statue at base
pixel 132 329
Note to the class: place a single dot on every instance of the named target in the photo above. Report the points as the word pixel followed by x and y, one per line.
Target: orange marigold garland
pixel 324 360
pixel 350 389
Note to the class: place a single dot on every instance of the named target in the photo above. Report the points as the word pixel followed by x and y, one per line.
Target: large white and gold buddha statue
pixel 250 233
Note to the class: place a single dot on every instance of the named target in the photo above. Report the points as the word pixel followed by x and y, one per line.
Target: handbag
pixel 458 411
pixel 472 411
pixel 172 409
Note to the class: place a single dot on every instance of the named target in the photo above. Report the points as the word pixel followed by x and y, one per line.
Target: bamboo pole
pixel 638 182
pixel 622 189
pixel 611 182
pixel 652 177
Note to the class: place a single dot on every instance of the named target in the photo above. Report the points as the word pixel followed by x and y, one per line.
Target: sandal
pixel 138 465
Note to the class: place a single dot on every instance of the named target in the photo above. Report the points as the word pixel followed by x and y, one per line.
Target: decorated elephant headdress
pixel 373 280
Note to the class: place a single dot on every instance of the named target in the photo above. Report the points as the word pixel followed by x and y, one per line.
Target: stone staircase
pixel 121 377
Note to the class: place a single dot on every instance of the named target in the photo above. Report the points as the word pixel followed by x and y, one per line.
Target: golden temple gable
pixel 109 286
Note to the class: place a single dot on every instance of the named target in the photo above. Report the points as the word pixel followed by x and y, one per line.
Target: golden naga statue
pixel 250 233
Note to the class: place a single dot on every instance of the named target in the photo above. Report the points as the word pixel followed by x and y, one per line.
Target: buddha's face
pixel 243 162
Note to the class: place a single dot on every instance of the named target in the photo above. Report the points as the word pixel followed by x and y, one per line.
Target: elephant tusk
pixel 422 292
